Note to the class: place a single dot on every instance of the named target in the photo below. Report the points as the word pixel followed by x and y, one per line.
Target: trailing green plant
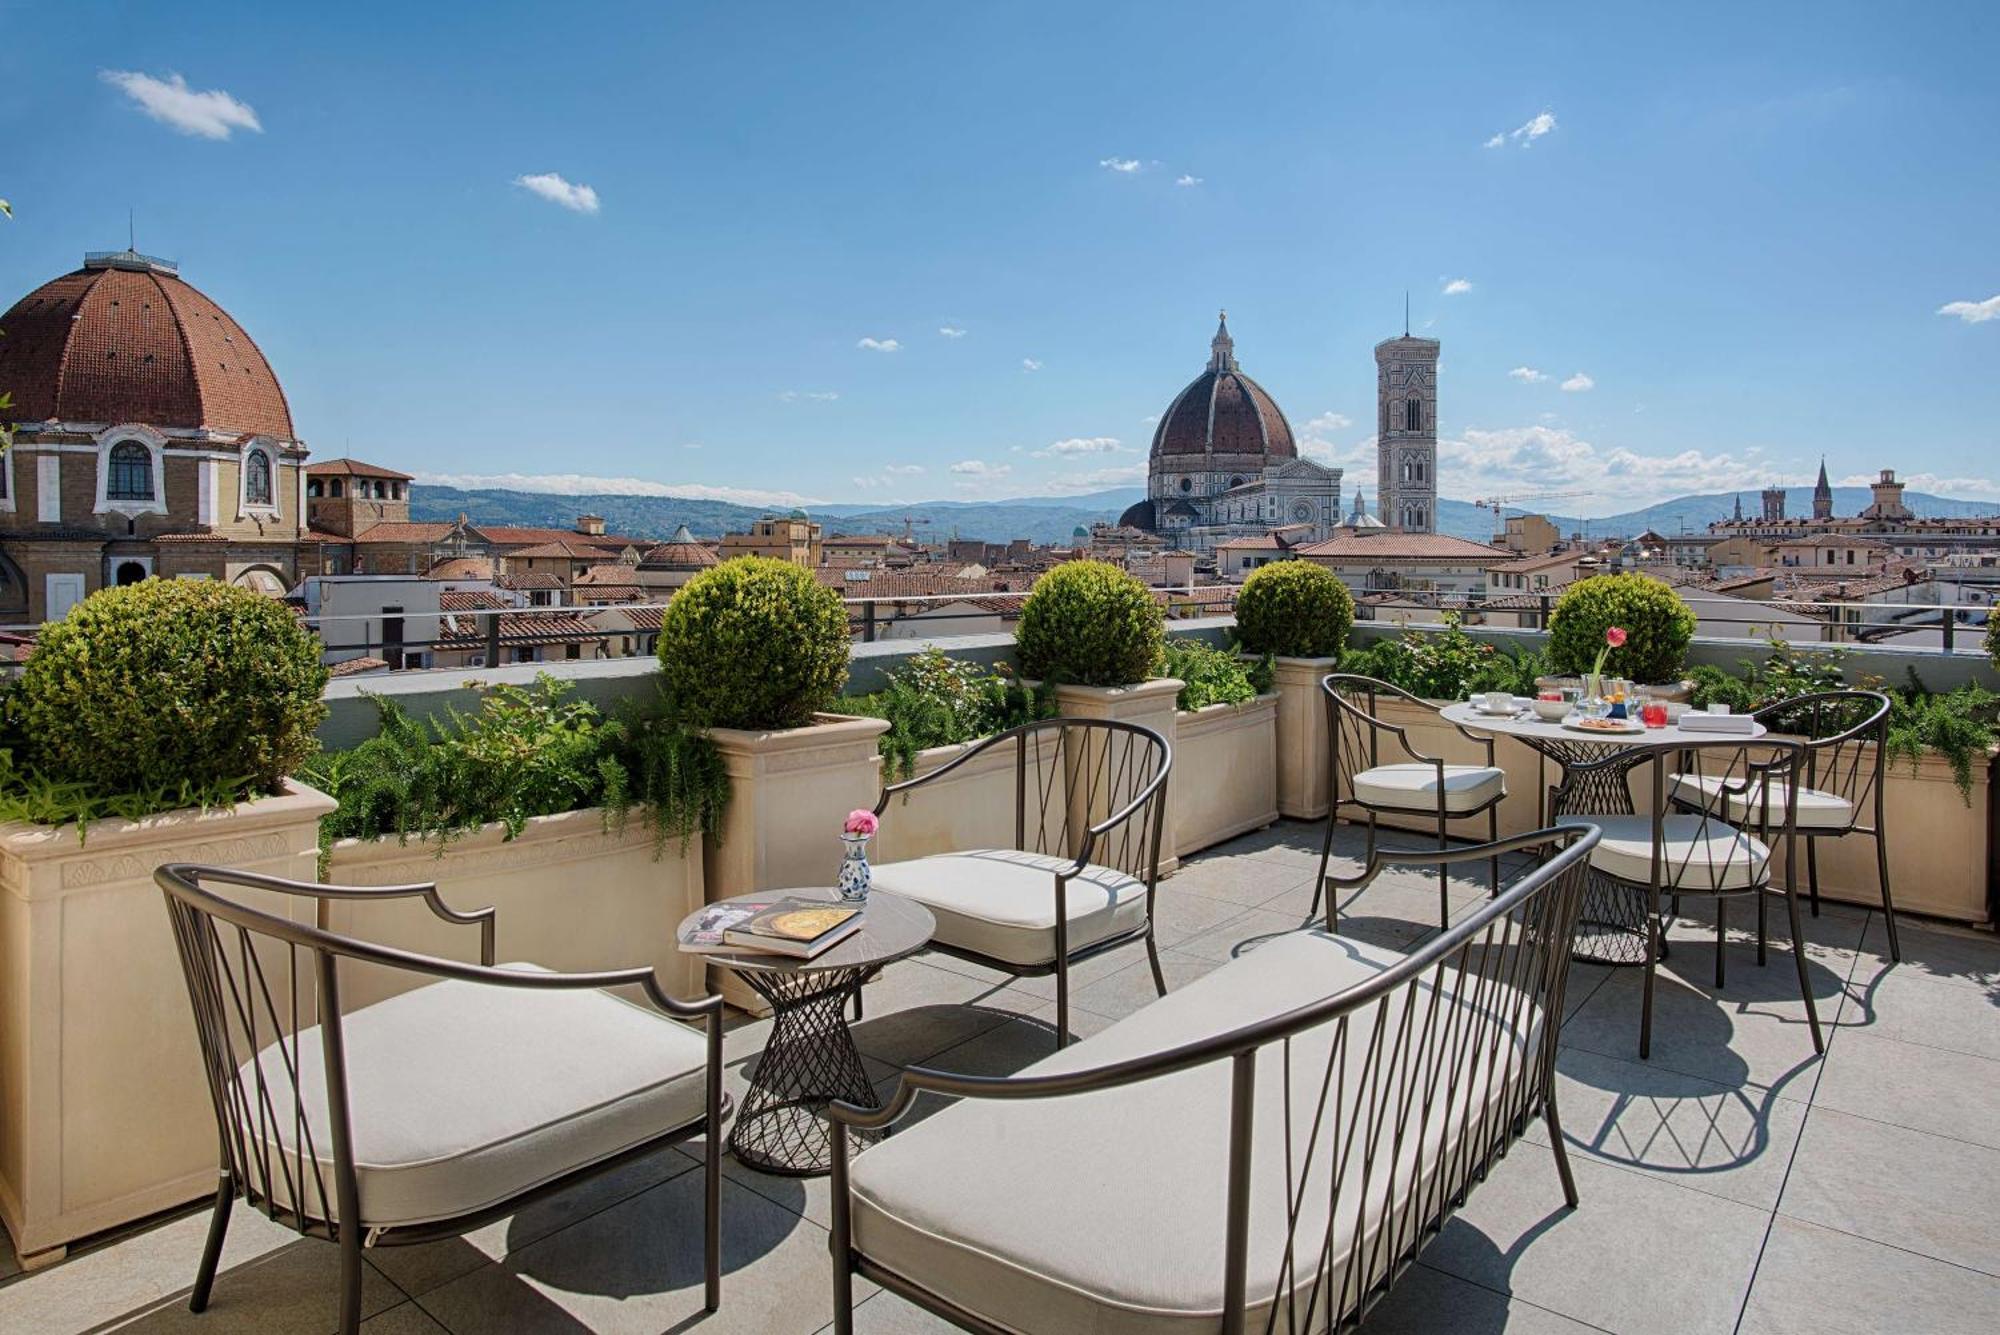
pixel 1294 608
pixel 1089 623
pixel 1433 664
pixel 526 752
pixel 162 694
pixel 1211 676
pixel 936 700
pixel 1657 623
pixel 752 643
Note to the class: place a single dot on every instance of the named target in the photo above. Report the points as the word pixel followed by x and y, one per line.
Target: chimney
pixel 591 526
pixel 1178 568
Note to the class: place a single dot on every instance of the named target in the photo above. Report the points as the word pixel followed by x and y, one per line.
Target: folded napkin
pixel 1697 721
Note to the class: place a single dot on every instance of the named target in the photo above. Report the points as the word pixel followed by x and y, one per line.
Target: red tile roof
pixel 355 468
pixel 1392 546
pixel 403 531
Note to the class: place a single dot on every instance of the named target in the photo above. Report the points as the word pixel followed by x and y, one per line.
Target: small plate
pixel 1605 727
pixel 1479 707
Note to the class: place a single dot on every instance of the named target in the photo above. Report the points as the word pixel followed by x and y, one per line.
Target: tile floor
pixel 1733 1183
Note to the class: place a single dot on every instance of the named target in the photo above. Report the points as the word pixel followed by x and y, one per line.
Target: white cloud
pixel 1075 445
pixel 1527 375
pixel 691 445
pixel 809 395
pixel 1526 135
pixel 212 114
pixel 903 470
pixel 1458 287
pixel 951 331
pixel 1973 312
pixel 980 468
pixel 580 484
pixel 1316 441
pixel 552 187
pixel 1527 459
pixel 1187 180
pixel 1097 479
pixel 1578 383
pixel 880 345
pixel 1151 419
pixel 1030 364
pixel 1123 166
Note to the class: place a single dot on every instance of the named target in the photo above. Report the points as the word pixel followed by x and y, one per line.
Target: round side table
pixel 810 1058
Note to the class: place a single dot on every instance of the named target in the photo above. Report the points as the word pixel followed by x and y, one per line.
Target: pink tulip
pixel 1615 637
pixel 862 822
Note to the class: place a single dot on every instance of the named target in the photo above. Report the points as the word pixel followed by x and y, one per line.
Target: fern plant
pixel 936 700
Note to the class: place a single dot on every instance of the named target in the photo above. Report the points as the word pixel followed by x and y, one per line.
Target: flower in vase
pixel 861 822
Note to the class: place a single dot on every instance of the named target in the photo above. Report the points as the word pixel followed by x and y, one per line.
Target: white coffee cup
pixel 1497 702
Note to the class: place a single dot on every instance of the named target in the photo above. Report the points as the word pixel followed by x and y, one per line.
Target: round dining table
pixel 1612 927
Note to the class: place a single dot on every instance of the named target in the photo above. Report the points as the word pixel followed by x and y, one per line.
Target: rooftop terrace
pixel 1733 1183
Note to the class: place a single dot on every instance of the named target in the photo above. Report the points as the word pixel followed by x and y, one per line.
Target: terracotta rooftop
pixel 573 546
pixel 354 468
pixel 402 531
pixel 1392 546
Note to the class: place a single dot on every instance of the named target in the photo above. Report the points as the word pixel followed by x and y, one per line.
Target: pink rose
pixel 862 822
pixel 1615 637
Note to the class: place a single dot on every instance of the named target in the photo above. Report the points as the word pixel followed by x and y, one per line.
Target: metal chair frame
pixel 1105 762
pixel 1354 745
pixel 229 953
pixel 1511 955
pixel 1751 770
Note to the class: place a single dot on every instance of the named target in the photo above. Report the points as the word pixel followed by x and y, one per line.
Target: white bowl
pixel 1552 711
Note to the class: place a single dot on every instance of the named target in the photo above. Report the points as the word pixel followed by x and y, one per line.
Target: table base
pixel 1611 927
pixel 809 1061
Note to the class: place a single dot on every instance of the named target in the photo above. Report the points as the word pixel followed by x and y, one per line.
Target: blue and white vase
pixel 854 872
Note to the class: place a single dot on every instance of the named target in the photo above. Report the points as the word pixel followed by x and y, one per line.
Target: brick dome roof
pixel 1224 411
pixel 124 339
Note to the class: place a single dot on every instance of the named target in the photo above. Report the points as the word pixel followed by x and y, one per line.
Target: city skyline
pixel 936 256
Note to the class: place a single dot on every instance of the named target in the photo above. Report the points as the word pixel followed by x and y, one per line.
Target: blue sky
pixel 1702 245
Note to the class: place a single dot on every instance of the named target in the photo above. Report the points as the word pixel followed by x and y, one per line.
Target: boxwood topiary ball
pixel 1088 623
pixel 1294 609
pixel 1657 623
pixel 166 681
pixel 753 643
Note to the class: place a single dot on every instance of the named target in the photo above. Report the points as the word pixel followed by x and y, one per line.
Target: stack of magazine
pixel 800 928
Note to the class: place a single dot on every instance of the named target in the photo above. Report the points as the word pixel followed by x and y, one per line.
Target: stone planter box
pixel 972 807
pixel 104 1115
pixel 1225 758
pixel 790 792
pixel 1150 704
pixel 1301 736
pixel 1939 847
pixel 570 894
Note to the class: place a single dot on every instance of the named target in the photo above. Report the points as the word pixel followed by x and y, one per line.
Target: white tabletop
pixel 1533 730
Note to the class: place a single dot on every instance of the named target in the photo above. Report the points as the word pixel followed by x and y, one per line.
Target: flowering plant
pixel 861 822
pixel 1614 638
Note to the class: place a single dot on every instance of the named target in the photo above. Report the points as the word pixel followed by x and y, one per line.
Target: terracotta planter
pixel 1226 758
pixel 1150 704
pixel 1301 736
pixel 570 894
pixel 104 1115
pixel 790 791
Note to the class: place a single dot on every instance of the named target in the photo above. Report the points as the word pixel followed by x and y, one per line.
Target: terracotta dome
pixel 1225 412
pixel 124 339
pixel 680 552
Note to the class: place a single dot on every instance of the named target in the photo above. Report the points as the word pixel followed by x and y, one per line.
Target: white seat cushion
pixel 1699 854
pixel 1414 787
pixel 1102 1212
pixel 1817 810
pixel 462 1095
pixel 1001 903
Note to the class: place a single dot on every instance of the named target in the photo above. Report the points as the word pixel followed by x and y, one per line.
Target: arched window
pixel 131 476
pixel 1413 415
pixel 257 478
pixel 313 489
pixel 334 488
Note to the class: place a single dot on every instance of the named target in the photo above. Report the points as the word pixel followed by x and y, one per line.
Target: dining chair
pixel 1845 735
pixel 1376 771
pixel 441 1108
pixel 1733 801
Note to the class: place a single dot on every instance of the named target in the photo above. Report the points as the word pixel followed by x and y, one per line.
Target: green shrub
pixel 1087 623
pixel 1210 676
pixel 170 687
pixel 934 700
pixel 1294 608
pixel 1657 623
pixel 752 643
pixel 528 751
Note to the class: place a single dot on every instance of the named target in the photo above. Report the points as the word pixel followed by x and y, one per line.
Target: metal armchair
pixel 1272 1145
pixel 1375 770
pixel 1090 801
pixel 425 1114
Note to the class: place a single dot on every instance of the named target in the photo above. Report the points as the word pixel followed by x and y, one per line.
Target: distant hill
pixel 1050 520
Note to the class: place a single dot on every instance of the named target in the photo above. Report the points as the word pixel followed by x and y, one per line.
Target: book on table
pixel 797 927
pixel 703 934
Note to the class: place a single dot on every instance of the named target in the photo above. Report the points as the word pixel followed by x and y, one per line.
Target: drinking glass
pixel 1653 713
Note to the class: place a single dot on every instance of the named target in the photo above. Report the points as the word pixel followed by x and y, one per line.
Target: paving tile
pixel 1919 1192
pixel 421 1267
pixel 637 1268
pixel 1638 1254
pixel 916 1012
pixel 1912 1008
pixel 1815 1281
pixel 1083 973
pixel 891 1314
pixel 1238 936
pixel 1753 1032
pixel 1936 951
pixel 1133 987
pixel 1425 1301
pixel 1734 1143
pixel 1178 914
pixel 1238 880
pixel 1946 1093
pixel 1002 1050
pixel 291 1291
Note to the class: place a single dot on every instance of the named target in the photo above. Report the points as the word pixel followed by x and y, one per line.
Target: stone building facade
pixel 1406 433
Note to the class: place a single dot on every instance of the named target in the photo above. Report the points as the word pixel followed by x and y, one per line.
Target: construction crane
pixel 1499 504
pixel 910 524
